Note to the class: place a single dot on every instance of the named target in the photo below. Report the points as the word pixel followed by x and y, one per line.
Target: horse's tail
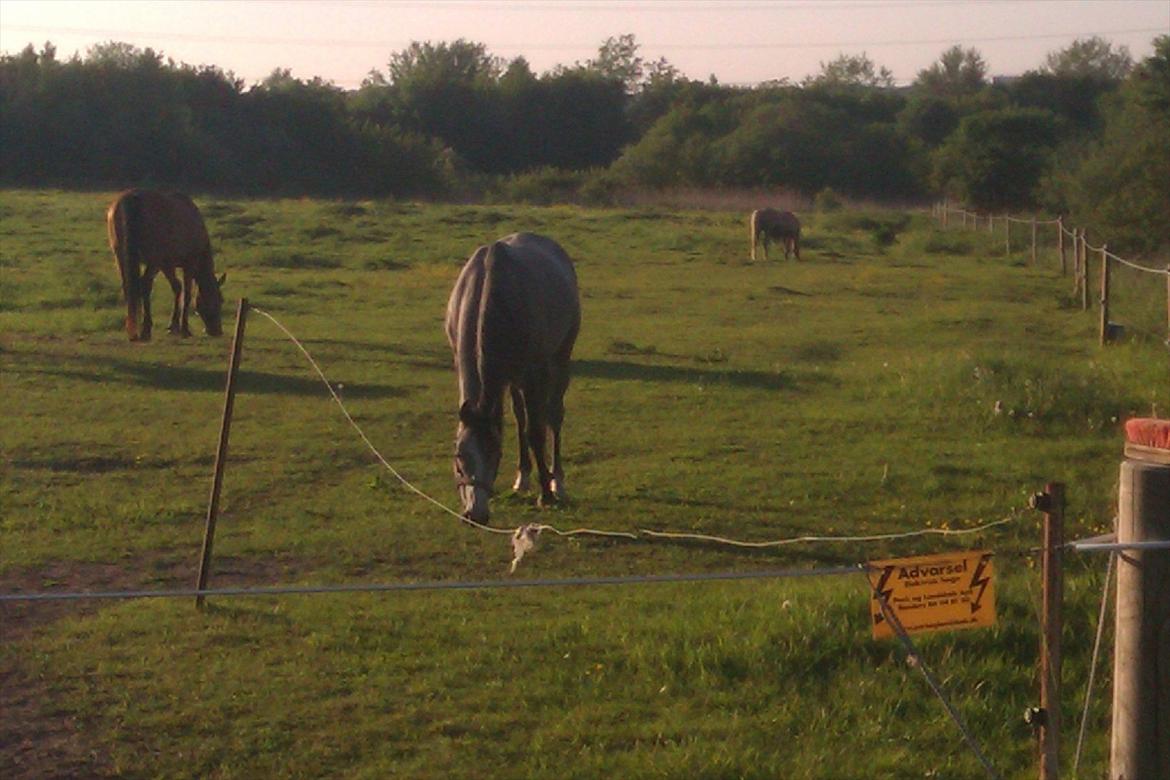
pixel 753 227
pixel 503 317
pixel 125 224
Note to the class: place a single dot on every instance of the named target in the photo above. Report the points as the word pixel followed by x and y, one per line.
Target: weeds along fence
pixel 1131 299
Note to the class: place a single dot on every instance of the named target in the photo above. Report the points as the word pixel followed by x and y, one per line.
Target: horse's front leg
pixel 524 460
pixel 177 291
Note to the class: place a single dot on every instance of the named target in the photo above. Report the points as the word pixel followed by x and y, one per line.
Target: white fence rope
pixel 1071 234
pixel 524 537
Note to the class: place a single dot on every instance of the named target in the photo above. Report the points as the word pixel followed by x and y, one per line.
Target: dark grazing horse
pixel 512 319
pixel 152 231
pixel 770 224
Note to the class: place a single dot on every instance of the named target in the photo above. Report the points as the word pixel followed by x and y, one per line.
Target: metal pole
pixel 1140 744
pixel 222 451
pixel 1047 720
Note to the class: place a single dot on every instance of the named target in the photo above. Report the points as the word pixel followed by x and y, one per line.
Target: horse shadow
pixel 195 379
pixel 622 370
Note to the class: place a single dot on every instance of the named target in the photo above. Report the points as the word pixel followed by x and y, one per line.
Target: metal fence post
pixel 221 452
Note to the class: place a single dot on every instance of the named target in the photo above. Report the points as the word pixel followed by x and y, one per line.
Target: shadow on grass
pixel 643 372
pixel 170 377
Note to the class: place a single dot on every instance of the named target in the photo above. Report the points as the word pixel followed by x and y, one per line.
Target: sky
pixel 736 41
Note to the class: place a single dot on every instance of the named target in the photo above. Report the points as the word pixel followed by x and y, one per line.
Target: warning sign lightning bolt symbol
pixel 884 591
pixel 978 580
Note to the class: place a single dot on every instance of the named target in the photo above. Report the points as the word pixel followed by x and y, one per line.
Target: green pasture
pixel 897 378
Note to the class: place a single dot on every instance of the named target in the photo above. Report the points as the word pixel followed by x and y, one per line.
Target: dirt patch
pixel 40 739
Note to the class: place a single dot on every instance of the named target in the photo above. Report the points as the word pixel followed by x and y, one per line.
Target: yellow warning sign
pixel 933 592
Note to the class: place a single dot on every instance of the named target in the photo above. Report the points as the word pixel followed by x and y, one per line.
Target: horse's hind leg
pixel 179 304
pixel 536 402
pixel 184 325
pixel 524 460
pixel 556 417
pixel 147 285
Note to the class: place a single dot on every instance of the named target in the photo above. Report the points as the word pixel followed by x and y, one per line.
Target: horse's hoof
pixel 522 483
pixel 546 499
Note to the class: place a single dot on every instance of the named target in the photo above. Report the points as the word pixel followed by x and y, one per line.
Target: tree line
pixel 1083 134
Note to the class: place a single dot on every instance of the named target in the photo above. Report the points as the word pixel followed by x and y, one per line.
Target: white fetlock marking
pixel 521 484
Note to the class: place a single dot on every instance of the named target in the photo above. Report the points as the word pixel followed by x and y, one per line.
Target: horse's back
pixel 782 224
pixel 168 227
pixel 547 263
pixel 531 281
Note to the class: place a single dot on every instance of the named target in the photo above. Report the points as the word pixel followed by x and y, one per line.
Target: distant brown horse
pixel 768 224
pixel 152 231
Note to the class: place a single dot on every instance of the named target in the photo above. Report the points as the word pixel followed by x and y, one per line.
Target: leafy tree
pixel 1090 58
pixel 618 59
pixel 957 72
pixel 996 159
pixel 930 119
pixel 1122 188
pixel 851 70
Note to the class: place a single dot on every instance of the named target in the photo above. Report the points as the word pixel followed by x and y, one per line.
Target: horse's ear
pixel 467 414
pixel 222 278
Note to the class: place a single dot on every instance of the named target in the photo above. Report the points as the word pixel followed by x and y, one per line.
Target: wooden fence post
pixel 1140 742
pixel 1076 261
pixel 221 452
pixel 1084 259
pixel 1060 245
pixel 991 225
pixel 1104 295
pixel 1033 241
pixel 945 213
pixel 1051 503
pixel 1007 236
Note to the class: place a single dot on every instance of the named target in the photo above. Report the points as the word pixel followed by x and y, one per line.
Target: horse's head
pixel 477 459
pixel 209 304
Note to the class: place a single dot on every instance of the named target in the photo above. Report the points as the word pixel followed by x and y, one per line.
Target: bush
pixel 827 200
pixel 542 187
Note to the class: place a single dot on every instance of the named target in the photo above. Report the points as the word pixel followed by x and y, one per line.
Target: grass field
pixel 897 378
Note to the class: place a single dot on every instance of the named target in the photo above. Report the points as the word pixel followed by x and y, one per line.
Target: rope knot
pixel 523 541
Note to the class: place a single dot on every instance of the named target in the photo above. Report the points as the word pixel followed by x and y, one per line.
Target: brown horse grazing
pixel 163 231
pixel 767 224
pixel 512 320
